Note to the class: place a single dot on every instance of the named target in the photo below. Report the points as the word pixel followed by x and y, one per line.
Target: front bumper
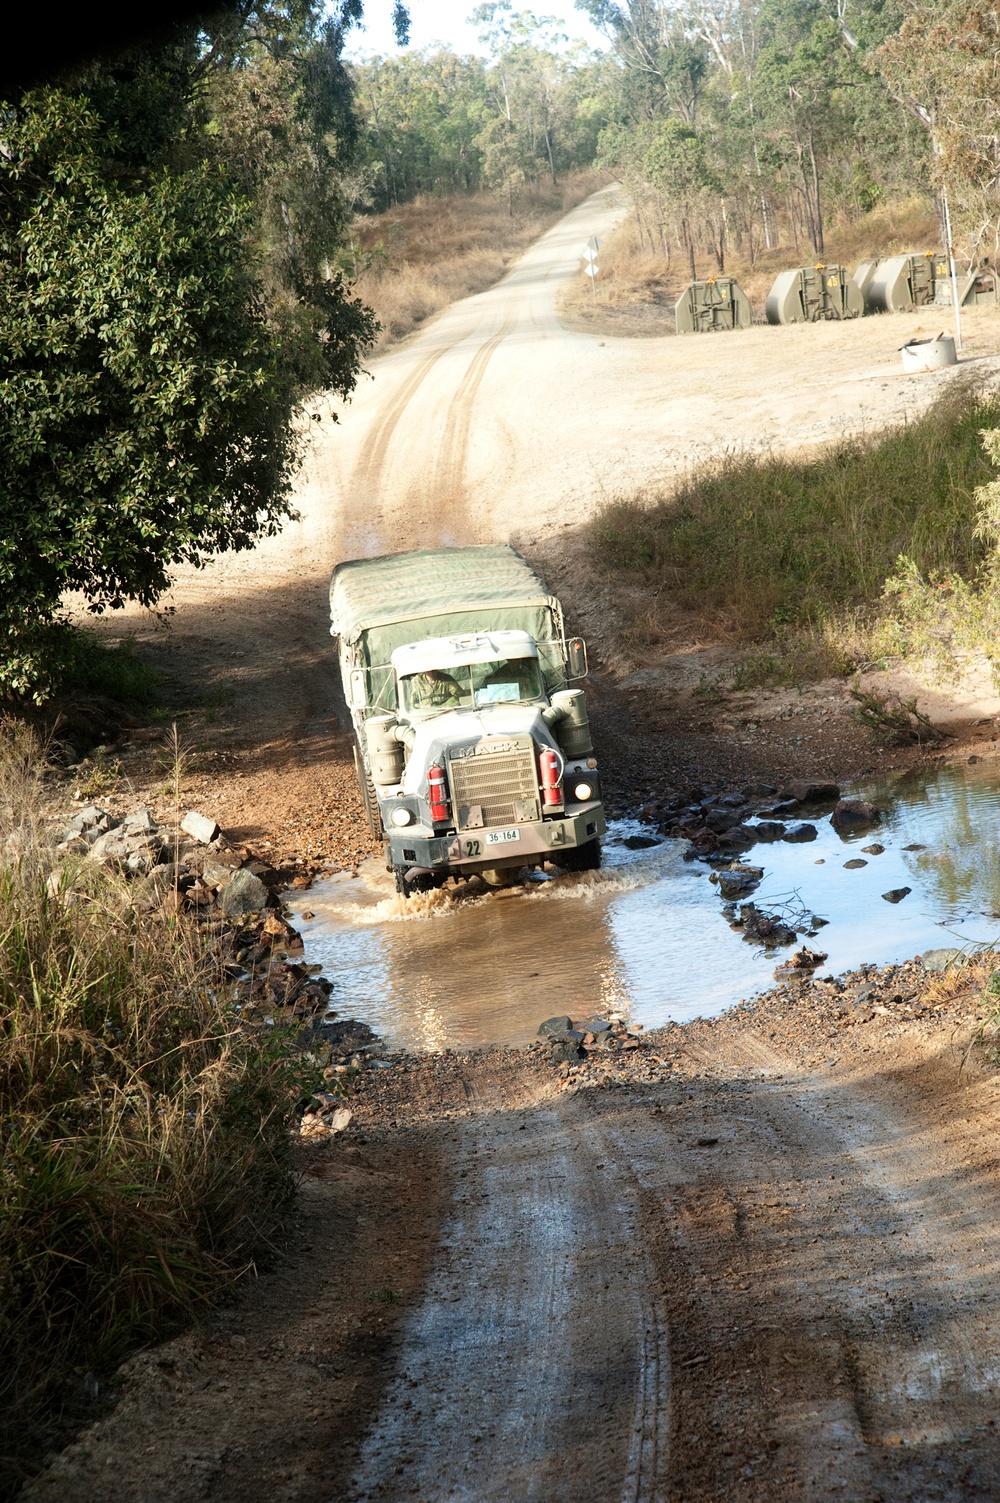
pixel 471 851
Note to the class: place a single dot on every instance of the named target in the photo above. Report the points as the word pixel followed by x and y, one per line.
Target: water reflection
pixel 647 936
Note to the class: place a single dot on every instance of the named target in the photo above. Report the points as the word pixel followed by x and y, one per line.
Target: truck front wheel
pixel 368 796
pixel 580 858
pixel 423 882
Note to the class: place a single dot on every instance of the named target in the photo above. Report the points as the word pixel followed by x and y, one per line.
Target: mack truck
pixel 473 743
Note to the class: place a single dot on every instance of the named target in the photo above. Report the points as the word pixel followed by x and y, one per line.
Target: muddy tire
pixel 426 882
pixel 580 858
pixel 368 797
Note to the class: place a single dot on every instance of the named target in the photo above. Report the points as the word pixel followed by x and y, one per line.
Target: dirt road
pixel 740 1275
pixel 723 1274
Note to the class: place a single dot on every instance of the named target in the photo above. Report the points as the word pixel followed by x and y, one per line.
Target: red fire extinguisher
pixel 548 762
pixel 437 795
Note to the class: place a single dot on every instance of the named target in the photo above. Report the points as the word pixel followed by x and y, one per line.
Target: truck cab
pixel 471 774
pixel 474 747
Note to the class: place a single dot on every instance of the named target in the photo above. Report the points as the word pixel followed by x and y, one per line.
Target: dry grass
pixel 144 1136
pixel 638 287
pixel 789 558
pixel 414 260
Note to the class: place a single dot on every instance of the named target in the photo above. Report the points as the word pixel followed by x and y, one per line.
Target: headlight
pixel 401 817
pixel 583 791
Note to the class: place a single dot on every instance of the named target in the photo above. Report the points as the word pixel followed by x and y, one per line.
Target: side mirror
pixel 358 693
pixel 576 658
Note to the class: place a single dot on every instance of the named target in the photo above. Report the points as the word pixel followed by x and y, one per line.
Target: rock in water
pixel 798 834
pixel 719 819
pixel 851 812
pixel 805 792
pixel 897 894
pixel 739 881
pixel 243 894
pixel 764 928
pixel 199 827
pixel 554 1027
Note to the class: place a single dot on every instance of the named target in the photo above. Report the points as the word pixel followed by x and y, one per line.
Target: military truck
pixel 474 753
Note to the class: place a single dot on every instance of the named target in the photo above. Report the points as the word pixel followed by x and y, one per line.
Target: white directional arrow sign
pixel 591 268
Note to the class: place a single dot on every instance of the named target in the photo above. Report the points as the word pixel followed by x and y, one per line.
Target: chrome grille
pixel 495 788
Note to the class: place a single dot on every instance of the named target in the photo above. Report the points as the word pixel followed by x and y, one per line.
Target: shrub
pixel 146 1153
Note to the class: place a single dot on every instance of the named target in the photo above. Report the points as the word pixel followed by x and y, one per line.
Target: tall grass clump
pixel 143 1130
pixel 761 546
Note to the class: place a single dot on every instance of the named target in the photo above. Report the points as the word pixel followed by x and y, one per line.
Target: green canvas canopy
pixel 379 604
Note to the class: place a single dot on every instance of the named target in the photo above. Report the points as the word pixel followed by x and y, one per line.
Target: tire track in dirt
pixel 449 485
pixel 535 1367
pixel 829 1246
pixel 364 484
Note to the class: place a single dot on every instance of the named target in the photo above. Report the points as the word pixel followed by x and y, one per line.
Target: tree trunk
pixel 720 249
pixel 817 204
pixel 792 219
pixel 942 230
pixel 548 148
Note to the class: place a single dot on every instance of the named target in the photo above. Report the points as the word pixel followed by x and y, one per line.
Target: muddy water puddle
pixel 647 935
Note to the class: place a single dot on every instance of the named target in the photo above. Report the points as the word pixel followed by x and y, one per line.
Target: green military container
pixel 715 303
pixel 904 282
pixel 919 281
pixel 976 289
pixel 863 274
pixel 811 294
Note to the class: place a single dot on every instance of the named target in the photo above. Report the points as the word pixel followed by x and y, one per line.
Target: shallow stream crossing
pixel 648 936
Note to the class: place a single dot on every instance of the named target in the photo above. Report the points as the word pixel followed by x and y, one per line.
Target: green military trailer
pixel 474 751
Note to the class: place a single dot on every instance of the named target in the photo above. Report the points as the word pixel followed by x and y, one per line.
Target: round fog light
pixel 583 792
pixel 401 817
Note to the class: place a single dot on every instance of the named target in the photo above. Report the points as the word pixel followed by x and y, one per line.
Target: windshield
pixel 471 685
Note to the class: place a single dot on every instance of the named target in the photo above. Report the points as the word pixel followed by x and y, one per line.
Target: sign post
pixel 954 277
pixel 591 267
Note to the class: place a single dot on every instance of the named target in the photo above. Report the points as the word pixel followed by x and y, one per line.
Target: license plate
pixel 501 837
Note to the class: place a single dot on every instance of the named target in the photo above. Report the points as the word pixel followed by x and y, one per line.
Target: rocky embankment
pixel 188 871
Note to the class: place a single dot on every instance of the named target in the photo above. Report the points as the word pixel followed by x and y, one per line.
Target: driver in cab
pixel 434 690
